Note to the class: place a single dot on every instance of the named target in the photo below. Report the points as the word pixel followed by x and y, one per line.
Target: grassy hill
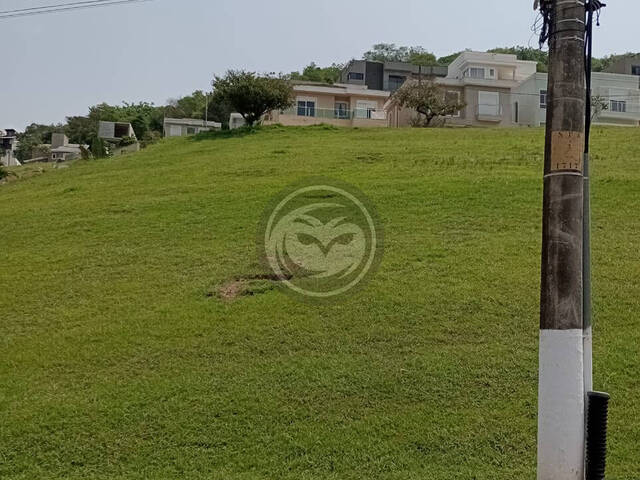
pixel 119 360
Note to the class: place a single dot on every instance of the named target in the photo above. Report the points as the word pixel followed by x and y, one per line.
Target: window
pixel 543 99
pixel 364 108
pixel 635 69
pixel 395 82
pixel 341 110
pixel 489 103
pixel 355 76
pixel 618 106
pixel 492 73
pixel 306 108
pixel 452 96
pixel 191 131
pixel 474 72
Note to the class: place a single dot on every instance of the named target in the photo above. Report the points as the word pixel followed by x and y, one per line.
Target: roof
pixel 69 148
pixel 192 122
pixel 339 89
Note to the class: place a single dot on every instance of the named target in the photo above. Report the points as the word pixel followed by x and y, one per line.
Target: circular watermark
pixel 321 238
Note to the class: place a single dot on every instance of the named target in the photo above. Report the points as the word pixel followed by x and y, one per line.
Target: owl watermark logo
pixel 321 238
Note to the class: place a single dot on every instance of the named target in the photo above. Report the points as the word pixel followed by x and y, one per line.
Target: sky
pixel 58 65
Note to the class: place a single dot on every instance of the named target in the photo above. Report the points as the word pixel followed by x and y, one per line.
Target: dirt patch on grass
pixel 247 286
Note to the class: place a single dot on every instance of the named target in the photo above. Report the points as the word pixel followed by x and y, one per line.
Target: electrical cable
pixel 52 6
pixel 66 7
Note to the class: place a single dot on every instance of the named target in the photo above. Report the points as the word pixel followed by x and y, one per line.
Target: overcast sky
pixel 59 64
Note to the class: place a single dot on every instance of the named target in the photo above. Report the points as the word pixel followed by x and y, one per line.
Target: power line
pixel 52 6
pixel 65 7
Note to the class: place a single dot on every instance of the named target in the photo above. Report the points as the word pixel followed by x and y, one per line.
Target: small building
pixel 62 150
pixel 338 104
pixel 115 131
pixel 181 127
pixel 121 135
pixel 236 120
pixel 8 145
pixel 626 65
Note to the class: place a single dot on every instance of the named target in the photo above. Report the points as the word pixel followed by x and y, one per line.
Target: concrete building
pixel 338 104
pixel 8 145
pixel 62 150
pixel 115 131
pixel 121 135
pixel 181 127
pixel 626 66
pixel 388 76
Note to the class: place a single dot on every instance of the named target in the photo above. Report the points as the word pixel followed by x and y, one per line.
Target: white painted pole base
pixel 588 360
pixel 561 402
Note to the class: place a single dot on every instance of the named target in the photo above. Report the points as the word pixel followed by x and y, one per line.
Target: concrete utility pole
pixel 561 394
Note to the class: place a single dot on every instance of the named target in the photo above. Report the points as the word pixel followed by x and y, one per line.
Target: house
pixel 338 104
pixel 388 76
pixel 484 82
pixel 8 145
pixel 620 93
pixel 500 90
pixel 627 65
pixel 61 150
pixel 180 127
pixel 121 134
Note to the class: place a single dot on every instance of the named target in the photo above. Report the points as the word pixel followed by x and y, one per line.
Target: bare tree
pixel 598 105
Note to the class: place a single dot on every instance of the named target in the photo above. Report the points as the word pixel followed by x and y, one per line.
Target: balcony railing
pixel 336 114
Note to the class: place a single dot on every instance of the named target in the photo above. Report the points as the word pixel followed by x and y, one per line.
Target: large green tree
pixel 390 52
pixel 35 135
pixel 253 95
pixel 314 73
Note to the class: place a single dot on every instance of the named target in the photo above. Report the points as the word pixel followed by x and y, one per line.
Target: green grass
pixel 117 362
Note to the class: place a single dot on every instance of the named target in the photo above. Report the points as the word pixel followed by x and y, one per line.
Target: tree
pixel 314 73
pixel 601 64
pixel 34 136
pixel 427 99
pixel 81 130
pixel 598 105
pixel 253 95
pixel 419 56
pixel 190 106
pixel 526 53
pixel 448 59
pixel 389 52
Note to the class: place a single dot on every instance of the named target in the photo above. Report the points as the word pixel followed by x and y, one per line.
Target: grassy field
pixel 118 360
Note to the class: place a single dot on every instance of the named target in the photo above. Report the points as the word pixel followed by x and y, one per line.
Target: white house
pixel 180 127
pixel 620 93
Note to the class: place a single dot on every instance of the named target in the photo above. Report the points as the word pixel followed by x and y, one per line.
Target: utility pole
pixel 561 393
pixel 206 109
